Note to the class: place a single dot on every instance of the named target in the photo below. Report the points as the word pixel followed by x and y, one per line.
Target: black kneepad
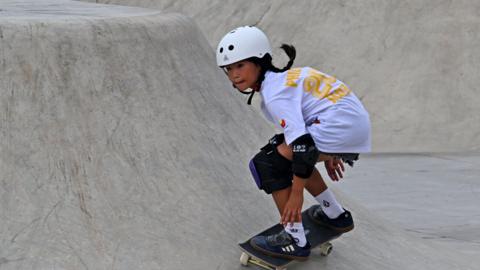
pixel 305 156
pixel 271 170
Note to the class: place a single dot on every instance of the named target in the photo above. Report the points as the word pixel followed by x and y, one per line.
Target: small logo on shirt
pixel 283 123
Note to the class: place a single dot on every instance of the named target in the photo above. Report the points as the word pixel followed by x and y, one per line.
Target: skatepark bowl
pixel 123 146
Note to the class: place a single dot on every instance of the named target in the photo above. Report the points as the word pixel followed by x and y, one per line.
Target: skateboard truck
pixel 246 259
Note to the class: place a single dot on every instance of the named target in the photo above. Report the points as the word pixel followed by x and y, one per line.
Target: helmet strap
pixel 255 88
pixel 249 102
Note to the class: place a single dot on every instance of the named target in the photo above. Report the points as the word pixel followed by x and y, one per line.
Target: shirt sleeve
pixel 286 111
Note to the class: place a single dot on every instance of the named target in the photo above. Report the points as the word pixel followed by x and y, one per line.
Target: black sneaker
pixel 343 223
pixel 281 245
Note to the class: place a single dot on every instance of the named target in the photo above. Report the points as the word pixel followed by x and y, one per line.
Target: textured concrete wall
pixel 115 134
pixel 415 64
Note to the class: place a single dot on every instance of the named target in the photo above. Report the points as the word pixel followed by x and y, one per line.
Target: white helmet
pixel 242 43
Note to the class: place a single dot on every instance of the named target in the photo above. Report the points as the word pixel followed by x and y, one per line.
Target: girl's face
pixel 243 74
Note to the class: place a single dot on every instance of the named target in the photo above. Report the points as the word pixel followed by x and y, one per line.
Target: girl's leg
pixel 319 190
pixel 315 185
pixel 281 197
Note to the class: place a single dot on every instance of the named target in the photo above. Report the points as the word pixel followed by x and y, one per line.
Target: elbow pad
pixel 305 156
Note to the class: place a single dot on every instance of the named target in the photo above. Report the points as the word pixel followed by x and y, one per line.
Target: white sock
pixel 297 232
pixel 329 204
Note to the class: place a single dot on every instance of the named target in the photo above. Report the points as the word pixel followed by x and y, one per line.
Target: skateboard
pixel 318 236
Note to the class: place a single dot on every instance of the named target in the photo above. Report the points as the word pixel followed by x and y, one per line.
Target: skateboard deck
pixel 317 235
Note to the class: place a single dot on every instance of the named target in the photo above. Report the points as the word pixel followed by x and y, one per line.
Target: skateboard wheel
pixel 244 258
pixel 326 248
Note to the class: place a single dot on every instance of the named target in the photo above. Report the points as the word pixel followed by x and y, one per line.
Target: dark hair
pixel 266 62
pixel 266 65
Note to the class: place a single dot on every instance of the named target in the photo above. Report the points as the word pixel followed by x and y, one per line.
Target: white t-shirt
pixel 294 99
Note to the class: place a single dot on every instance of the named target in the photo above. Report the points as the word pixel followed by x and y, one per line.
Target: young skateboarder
pixel 322 121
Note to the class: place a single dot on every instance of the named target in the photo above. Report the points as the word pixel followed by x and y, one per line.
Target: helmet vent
pixel 241 44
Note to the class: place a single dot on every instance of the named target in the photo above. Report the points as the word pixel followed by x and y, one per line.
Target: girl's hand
pixel 335 168
pixel 293 209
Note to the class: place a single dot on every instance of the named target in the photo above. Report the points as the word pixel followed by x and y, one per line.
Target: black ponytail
pixel 291 53
pixel 266 64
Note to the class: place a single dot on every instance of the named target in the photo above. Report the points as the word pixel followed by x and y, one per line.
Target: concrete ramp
pixel 123 147
pixel 414 64
pixel 120 142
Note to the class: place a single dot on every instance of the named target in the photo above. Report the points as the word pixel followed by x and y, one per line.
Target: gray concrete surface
pixel 123 147
pixel 415 64
pixel 26 10
pixel 432 196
